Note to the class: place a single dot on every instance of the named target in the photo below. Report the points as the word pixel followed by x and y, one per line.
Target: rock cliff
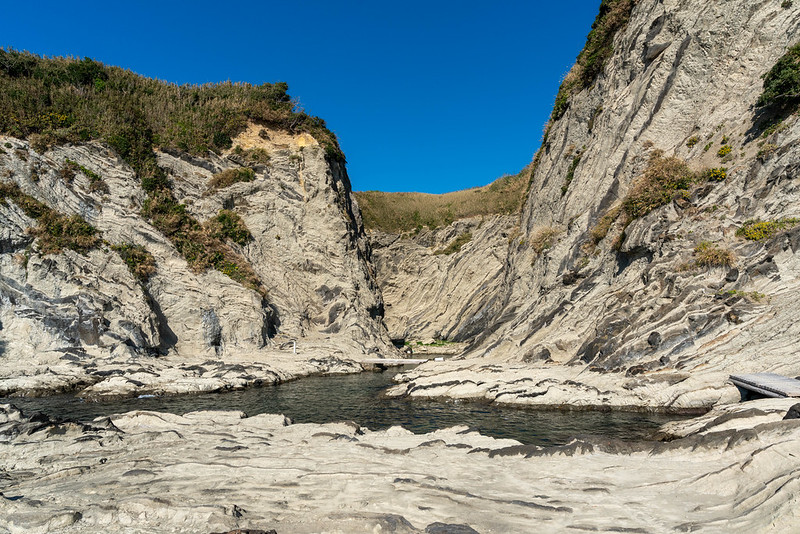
pixel 65 314
pixel 651 309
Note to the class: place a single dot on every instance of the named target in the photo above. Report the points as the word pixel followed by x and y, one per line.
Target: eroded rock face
pixel 69 309
pixel 634 321
pixel 431 295
pixel 222 471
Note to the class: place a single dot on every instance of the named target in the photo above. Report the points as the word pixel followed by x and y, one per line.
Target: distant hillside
pixel 406 212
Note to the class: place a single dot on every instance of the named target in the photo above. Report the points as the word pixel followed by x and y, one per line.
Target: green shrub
pixel 29 205
pixel 70 168
pixel 782 82
pixel 456 244
pixel 613 16
pixel 714 175
pixel 69 100
pixel 139 261
pixel 692 141
pixel 228 225
pixel 705 148
pixel 571 173
pixel 724 151
pixel 200 249
pixel 54 230
pixel 229 177
pixel 57 231
pixel 756 230
pixel 708 254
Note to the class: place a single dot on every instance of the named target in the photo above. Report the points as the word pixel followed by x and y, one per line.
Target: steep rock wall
pixel 308 249
pixel 634 321
pixel 431 294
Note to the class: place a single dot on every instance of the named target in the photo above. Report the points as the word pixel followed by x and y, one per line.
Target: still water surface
pixel 357 398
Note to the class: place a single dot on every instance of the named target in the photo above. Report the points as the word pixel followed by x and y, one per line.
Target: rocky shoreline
pixel 121 377
pixel 220 471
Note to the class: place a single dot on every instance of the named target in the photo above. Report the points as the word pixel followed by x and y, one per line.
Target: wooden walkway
pixel 768 384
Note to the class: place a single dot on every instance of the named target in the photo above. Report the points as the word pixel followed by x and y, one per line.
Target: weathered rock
pixel 679 69
pixel 442 296
pixel 62 314
pixel 222 471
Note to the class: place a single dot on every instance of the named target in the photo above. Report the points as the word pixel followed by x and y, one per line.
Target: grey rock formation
pixel 221 471
pixel 309 250
pixel 442 296
pixel 636 323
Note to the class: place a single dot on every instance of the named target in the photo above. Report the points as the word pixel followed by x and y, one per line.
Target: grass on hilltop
pixel 68 100
pixel 408 212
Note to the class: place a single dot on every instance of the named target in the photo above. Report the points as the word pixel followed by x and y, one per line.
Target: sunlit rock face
pixel 657 309
pixel 221 471
pixel 65 314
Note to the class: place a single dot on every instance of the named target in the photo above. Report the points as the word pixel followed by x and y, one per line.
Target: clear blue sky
pixel 428 96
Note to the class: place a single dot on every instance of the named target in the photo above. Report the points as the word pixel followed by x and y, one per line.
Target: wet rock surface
pixel 223 472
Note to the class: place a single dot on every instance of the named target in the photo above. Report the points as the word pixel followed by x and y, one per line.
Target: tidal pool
pixel 357 398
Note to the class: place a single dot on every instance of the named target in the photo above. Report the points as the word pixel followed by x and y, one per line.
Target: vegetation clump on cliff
pixel 228 225
pixel 782 82
pixel 139 260
pixel 54 230
pixel 709 254
pixel 407 212
pixel 456 244
pixel 757 230
pixel 229 177
pixel 665 179
pixel 613 16
pixel 57 100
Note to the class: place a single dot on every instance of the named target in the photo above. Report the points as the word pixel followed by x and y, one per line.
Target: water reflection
pixel 356 398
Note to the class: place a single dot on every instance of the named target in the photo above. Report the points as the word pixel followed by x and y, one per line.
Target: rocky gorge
pixel 655 254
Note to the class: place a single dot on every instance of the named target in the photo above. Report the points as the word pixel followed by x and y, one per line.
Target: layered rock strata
pixel 220 471
pixel 633 316
pixel 432 293
pixel 65 316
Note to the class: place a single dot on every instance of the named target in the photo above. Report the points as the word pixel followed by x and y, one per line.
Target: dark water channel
pixel 357 398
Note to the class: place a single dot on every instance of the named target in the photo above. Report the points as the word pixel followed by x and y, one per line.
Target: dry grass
pixel 229 177
pixel 543 238
pixel 407 212
pixel 664 180
pixel 708 254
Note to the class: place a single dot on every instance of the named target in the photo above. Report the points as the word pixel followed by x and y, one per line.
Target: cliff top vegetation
pixel 59 100
pixel 407 212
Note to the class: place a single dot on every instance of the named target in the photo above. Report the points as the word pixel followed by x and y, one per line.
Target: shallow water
pixel 357 398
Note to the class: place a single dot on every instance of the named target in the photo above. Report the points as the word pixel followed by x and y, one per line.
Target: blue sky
pixel 429 96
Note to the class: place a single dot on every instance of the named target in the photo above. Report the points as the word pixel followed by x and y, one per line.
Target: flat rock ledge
pixel 735 470
pixel 121 375
pixel 573 387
